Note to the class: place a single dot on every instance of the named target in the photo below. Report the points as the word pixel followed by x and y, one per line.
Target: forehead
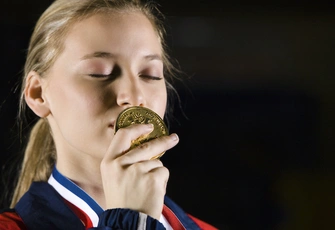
pixel 116 31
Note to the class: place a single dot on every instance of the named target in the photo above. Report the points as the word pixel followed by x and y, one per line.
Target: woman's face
pixel 109 63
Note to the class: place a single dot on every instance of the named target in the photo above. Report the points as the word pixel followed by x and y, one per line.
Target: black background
pixel 257 140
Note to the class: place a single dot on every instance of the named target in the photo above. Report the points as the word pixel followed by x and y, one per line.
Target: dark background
pixel 256 146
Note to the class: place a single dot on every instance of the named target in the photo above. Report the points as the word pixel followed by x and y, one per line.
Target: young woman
pixel 87 61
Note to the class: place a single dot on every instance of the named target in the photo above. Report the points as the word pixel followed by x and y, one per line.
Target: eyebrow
pixel 97 55
pixel 153 57
pixel 107 55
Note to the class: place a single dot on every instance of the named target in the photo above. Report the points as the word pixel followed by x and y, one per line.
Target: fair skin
pixel 109 63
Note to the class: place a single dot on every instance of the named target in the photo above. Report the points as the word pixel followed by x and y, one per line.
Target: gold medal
pixel 142 115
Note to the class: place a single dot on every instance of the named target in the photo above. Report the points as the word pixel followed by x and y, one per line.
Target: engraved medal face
pixel 142 115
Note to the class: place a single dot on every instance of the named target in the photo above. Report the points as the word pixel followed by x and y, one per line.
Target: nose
pixel 130 93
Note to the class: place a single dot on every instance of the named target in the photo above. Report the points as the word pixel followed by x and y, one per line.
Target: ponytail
pixel 38 161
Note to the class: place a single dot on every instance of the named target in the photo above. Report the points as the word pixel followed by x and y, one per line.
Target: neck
pixel 85 173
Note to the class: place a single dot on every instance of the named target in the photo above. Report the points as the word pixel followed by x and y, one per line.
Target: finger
pixel 158 178
pixel 154 174
pixel 149 149
pixel 123 137
pixel 146 166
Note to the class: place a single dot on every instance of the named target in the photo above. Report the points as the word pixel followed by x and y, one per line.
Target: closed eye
pixel 149 77
pixel 99 75
pixel 114 74
pixel 103 77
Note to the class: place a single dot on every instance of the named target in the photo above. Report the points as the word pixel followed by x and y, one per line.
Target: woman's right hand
pixel 130 179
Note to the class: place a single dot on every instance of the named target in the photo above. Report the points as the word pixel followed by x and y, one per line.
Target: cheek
pixel 159 102
pixel 75 101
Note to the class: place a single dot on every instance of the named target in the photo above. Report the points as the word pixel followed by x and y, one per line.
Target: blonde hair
pixel 45 46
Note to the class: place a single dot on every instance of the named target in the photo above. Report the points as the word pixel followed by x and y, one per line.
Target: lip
pixel 116 115
pixel 112 125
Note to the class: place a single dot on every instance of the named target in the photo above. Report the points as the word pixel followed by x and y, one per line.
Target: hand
pixel 130 179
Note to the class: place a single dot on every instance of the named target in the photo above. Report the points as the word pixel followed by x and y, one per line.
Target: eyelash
pixel 99 75
pixel 149 77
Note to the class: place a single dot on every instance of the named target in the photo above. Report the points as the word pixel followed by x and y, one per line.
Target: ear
pixel 33 94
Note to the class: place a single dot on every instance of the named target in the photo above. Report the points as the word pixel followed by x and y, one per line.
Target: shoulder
pixel 10 220
pixel 41 207
pixel 202 224
pixel 188 221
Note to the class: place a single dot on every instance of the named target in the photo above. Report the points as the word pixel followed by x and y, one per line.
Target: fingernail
pixel 174 137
